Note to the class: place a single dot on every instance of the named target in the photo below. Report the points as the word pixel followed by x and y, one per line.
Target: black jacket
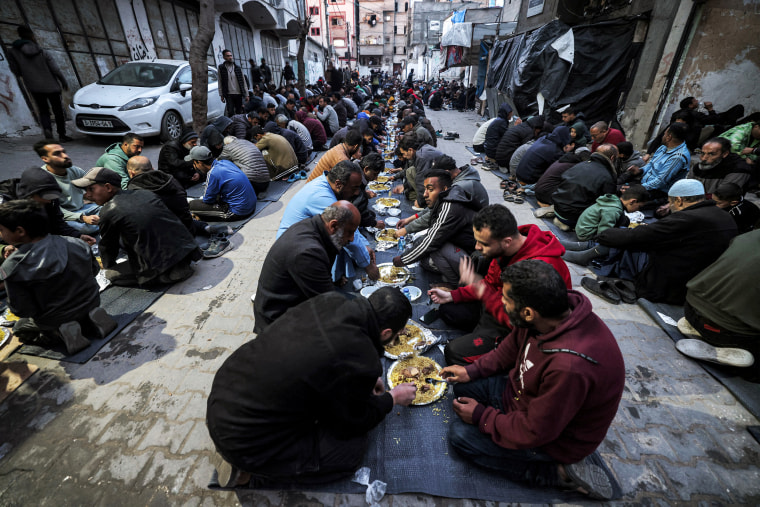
pixel 169 190
pixel 153 237
pixel 581 185
pixel 513 138
pixel 679 246
pixel 543 153
pixel 297 267
pixel 171 160
pixel 496 130
pixel 310 371
pixel 340 110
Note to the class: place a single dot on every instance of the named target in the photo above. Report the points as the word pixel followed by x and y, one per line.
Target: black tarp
pixel 604 53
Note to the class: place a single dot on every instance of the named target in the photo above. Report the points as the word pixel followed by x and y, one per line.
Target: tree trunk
pixel 199 66
pixel 305 24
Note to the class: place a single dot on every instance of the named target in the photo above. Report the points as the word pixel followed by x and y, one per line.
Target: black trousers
pixel 54 100
pixel 233 104
pixel 483 339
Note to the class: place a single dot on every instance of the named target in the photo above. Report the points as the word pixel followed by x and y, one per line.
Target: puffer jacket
pixel 248 158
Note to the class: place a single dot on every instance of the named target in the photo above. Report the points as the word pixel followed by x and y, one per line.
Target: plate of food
pixel 388 202
pixel 416 369
pixel 382 179
pixel 413 339
pixel 392 275
pixel 386 235
pixel 378 187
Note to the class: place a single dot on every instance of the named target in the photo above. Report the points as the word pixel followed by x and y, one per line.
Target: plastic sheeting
pixel 587 66
pixel 485 47
pixel 460 34
pixel 458 16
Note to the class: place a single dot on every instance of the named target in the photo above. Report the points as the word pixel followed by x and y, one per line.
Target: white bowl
pixel 391 222
pixel 394 212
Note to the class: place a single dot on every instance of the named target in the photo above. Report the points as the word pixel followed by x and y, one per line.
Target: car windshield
pixel 144 74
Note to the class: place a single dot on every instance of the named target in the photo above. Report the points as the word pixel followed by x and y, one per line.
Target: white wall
pixel 15 116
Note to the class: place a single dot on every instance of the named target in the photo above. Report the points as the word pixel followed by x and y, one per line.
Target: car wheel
pixel 171 126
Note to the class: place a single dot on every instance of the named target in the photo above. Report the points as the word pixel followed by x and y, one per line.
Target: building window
pixel 336 21
pixel 406 6
pixel 387 40
pixel 315 32
pixel 313 11
pixel 339 43
pixel 396 7
pixel 387 17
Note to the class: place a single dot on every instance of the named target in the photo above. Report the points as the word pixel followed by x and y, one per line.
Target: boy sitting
pixel 729 196
pixel 50 281
pixel 608 211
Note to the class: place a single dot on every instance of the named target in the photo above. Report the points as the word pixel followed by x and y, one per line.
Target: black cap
pixel 36 180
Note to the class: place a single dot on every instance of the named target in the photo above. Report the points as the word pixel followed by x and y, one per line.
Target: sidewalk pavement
pixel 127 428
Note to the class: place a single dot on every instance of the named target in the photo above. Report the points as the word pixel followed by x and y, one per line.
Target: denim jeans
pixel 521 465
pixel 87 209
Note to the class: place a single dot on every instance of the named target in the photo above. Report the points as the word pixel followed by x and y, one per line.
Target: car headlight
pixel 138 103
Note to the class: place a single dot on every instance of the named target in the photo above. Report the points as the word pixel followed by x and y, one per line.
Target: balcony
pixel 371 45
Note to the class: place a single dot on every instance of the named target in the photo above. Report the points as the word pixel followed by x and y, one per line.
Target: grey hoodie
pixel 52 280
pixel 36 67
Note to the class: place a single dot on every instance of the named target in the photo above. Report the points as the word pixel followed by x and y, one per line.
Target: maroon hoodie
pixel 555 399
pixel 541 245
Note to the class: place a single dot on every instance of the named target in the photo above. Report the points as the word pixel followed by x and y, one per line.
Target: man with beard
pixel 116 156
pixel 346 150
pixel 171 160
pixel 477 307
pixel 537 407
pixel 82 217
pixel 717 165
pixel 298 265
pixel 342 183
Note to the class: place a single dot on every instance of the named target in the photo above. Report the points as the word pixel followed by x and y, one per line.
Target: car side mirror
pixel 184 87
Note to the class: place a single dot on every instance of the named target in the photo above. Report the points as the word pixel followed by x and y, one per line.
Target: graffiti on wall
pixel 6 92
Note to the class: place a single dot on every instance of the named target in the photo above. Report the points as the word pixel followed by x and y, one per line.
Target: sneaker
pixel 102 321
pixel 591 478
pixel 697 349
pixel 546 212
pixel 217 247
pixel 71 334
pixel 686 328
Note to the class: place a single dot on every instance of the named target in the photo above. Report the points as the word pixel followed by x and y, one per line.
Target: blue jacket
pixel 666 167
pixel 228 184
pixel 543 153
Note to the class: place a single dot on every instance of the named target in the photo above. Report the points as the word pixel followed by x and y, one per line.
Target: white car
pixel 145 97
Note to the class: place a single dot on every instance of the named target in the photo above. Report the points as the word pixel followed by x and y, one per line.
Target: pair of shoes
pixel 687 329
pixel 625 288
pixel 103 322
pixel 449 138
pixel 589 477
pixel 64 138
pixel 455 135
pixel 293 178
pixel 71 334
pixel 562 227
pixel 217 246
pixel 730 356
pixel 546 212
pixel 603 289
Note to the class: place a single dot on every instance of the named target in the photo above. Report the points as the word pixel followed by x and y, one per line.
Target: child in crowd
pixel 608 211
pixel 50 281
pixel 729 196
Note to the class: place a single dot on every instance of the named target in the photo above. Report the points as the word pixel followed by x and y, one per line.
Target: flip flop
pixel 518 200
pixel 293 178
pixel 302 175
pixel 603 289
pixel 508 196
pixel 503 184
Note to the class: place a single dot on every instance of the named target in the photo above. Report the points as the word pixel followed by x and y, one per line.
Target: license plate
pixel 97 123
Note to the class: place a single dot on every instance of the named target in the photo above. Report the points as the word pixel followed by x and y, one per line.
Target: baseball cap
pixel 686 188
pixel 199 153
pixel 36 180
pixel 98 175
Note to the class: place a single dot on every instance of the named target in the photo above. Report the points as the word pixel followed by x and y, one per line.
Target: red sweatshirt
pixel 557 401
pixel 541 245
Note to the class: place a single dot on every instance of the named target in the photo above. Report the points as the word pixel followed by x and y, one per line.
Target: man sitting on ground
pixel 543 153
pixel 315 128
pixel 299 264
pixel 347 150
pixel 494 134
pixel 515 137
pixel 717 165
pixel 327 115
pixel 342 183
pixel 537 407
pixel 668 164
pixel 720 311
pixel 50 282
pixel 730 197
pixel 574 120
pixel 249 159
pixel 277 152
pixel 116 156
pixel 479 139
pixel 159 247
pixel 449 237
pixel 171 160
pixel 167 188
pixel 503 243
pixel 296 403
pixel 229 195
pixel 280 127
pixel 82 217
pixel 661 257
pixel 601 133
pixel 582 184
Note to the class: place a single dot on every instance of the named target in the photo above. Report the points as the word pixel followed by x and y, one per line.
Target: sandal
pixel 508 196
pixel 603 289
pixel 504 184
pixel 293 178
pixel 518 200
pixel 302 175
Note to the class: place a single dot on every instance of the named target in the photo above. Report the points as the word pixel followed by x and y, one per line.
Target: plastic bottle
pixel 401 244
pixel 406 292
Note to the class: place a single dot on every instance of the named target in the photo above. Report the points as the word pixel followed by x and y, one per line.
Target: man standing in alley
pixel 231 84
pixel 42 78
